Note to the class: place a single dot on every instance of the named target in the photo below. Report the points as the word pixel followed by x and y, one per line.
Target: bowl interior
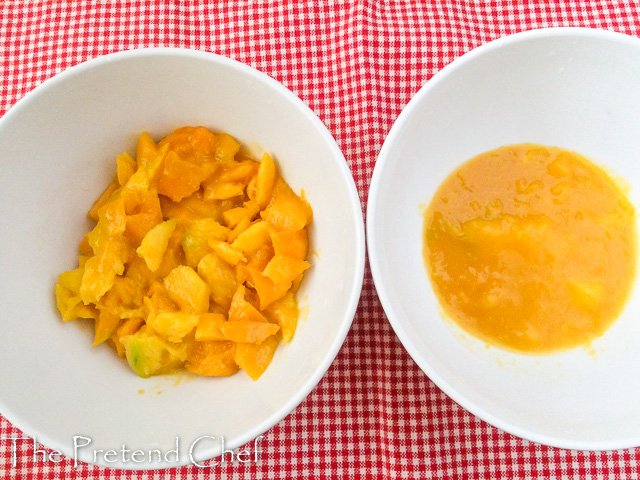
pixel 572 88
pixel 60 144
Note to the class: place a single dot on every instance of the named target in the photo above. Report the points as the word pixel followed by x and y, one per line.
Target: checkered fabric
pixel 357 64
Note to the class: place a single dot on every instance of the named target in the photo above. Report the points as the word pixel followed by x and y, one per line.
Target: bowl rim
pixel 373 248
pixel 355 207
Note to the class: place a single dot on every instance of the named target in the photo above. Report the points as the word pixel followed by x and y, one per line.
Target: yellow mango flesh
pixel 194 240
pixel 538 256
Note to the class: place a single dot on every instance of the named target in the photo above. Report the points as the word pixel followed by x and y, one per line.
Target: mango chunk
pixel 285 313
pixel 209 327
pixel 100 271
pixel 248 332
pixel 126 166
pixel 283 269
pixel 220 277
pixel 173 326
pixel 195 242
pixel 265 181
pixel 213 358
pixel 149 354
pixel 106 324
pixel 187 289
pixel 178 178
pixel 294 244
pixel 243 311
pixel 253 237
pixel 255 358
pixel 154 244
pixel 287 211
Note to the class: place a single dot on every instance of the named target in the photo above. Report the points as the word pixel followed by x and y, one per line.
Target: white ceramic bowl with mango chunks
pixel 567 87
pixel 59 145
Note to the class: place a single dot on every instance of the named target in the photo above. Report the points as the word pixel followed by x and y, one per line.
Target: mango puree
pixel 531 248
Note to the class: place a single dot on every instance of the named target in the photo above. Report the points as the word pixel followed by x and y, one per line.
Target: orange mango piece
pixel 287 211
pixel 248 332
pixel 294 244
pixel 268 290
pixel 173 325
pixel 223 190
pixel 285 313
pixel 208 327
pixel 253 237
pixel 178 178
pixel 106 324
pixel 127 327
pixel 226 251
pixel 220 277
pixel 226 148
pixel 212 358
pixel 243 311
pixel 246 213
pixel 282 269
pixel 265 181
pixel 101 269
pixel 103 199
pixel 125 167
pixel 255 358
pixel 187 289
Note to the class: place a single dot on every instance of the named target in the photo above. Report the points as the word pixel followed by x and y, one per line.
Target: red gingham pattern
pixel 356 63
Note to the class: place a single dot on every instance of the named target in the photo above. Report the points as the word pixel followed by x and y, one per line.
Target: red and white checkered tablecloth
pixel 356 63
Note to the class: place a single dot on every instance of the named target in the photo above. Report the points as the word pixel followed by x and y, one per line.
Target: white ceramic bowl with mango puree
pixel 566 87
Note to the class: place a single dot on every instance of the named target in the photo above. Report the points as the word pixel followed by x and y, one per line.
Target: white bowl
pixel 568 87
pixel 59 145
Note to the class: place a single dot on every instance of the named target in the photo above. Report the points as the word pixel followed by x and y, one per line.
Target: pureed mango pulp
pixel 531 248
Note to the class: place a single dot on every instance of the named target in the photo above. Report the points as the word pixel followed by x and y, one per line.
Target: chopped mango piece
pixel 243 311
pixel 213 358
pixel 255 358
pixel 195 242
pixel 155 243
pixel 100 271
pixel 226 251
pixel 265 181
pixel 246 213
pixel 285 313
pixel 282 269
pixel 194 259
pixel 208 327
pixel 253 237
pixel 106 325
pixel 103 199
pixel 287 210
pixel 223 190
pixel 268 290
pixel 178 178
pixel 187 289
pixel 221 278
pixel 126 166
pixel 294 244
pixel 248 332
pixel 226 148
pixel 127 327
pixel 149 354
pixel 173 325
